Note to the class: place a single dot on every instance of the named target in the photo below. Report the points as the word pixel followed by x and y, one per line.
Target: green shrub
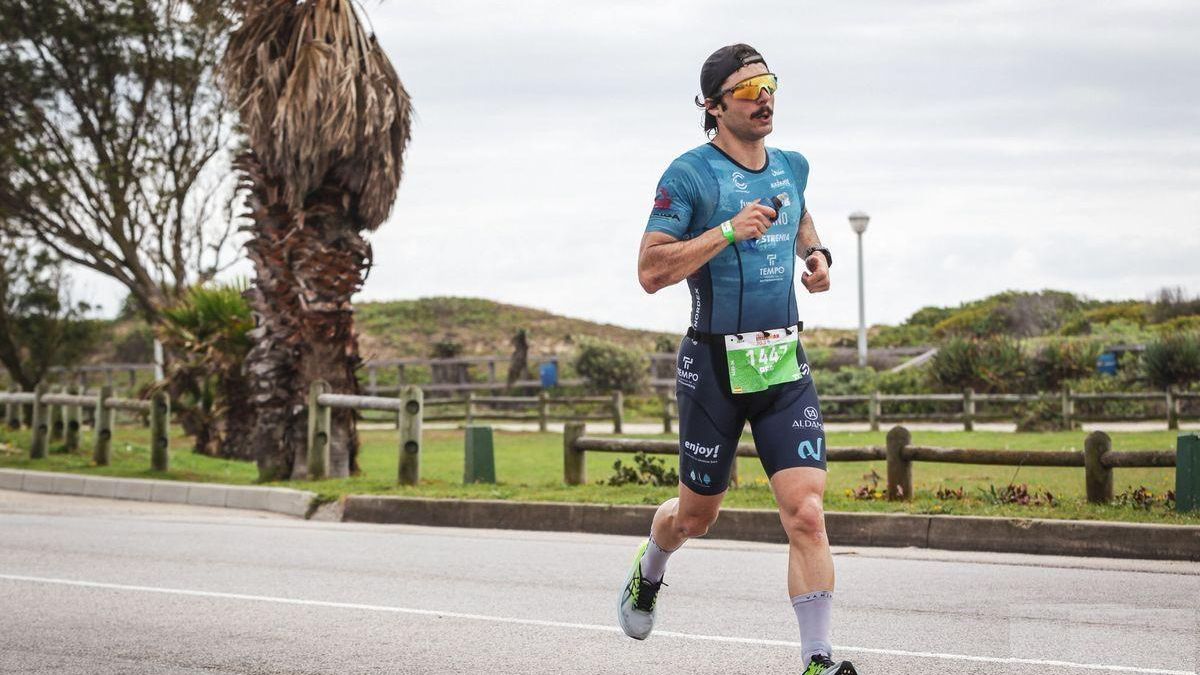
pixel 1124 381
pixel 995 364
pixel 606 366
pixel 208 331
pixel 1180 324
pixel 901 336
pixel 977 322
pixel 645 471
pixel 1133 312
pixel 1172 360
pixel 1064 360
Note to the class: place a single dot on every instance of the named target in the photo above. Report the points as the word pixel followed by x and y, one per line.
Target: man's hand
pixel 816 277
pixel 752 221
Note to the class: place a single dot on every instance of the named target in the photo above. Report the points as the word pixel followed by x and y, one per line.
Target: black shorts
pixel 785 419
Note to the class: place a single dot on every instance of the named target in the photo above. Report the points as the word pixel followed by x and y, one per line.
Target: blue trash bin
pixel 549 373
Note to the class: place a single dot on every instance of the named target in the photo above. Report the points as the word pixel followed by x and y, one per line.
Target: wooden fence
pixel 409 408
pixel 1098 459
pixel 542 409
pixel 59 416
pixel 458 368
pixel 966 407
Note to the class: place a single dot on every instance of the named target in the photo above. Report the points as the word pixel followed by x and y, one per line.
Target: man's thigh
pixel 789 431
pixel 710 423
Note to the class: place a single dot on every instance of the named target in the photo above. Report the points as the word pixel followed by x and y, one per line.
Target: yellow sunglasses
pixel 749 88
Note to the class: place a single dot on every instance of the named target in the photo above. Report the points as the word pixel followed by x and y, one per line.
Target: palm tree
pixel 326 122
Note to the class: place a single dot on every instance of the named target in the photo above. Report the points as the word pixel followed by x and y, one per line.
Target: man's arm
pixel 816 275
pixel 664 260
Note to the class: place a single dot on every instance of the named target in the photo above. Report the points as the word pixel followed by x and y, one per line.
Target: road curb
pixel 274 499
pixel 963 533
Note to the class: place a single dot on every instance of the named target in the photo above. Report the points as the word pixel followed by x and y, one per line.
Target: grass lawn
pixel 529 467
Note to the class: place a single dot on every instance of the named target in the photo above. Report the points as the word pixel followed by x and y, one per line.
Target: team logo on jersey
pixel 662 200
pixel 773 271
pixel 739 180
pixel 701 452
pixel 806 449
pixel 685 375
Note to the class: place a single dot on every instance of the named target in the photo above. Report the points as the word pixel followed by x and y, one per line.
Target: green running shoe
pixel 821 665
pixel 638 597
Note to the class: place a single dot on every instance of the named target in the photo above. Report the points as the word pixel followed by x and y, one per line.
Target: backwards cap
pixel 719 66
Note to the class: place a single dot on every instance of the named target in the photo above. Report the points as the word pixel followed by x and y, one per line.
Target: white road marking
pixel 580 626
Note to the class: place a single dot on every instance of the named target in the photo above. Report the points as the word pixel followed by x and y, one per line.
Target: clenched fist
pixel 752 221
pixel 816 276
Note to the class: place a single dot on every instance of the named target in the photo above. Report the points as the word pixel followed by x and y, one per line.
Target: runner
pixel 729 216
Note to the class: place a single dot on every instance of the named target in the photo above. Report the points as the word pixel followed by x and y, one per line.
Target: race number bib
pixel 762 359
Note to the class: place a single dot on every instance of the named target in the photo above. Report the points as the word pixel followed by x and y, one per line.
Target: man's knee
pixel 695 524
pixel 804 521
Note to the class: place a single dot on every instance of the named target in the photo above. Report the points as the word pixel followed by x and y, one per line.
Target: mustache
pixel 765 110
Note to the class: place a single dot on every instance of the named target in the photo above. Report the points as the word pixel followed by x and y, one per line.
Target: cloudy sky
pixel 996 145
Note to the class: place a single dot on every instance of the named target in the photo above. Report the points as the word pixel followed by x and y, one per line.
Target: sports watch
pixel 824 251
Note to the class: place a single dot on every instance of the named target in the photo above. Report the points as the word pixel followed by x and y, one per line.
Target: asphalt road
pixel 94 586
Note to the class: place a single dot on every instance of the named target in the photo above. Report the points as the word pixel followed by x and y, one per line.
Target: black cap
pixel 723 63
pixel 719 66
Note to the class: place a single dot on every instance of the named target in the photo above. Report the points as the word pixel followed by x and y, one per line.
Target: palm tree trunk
pixel 307 266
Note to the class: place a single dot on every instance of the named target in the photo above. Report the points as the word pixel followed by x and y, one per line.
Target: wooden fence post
pixel 319 421
pixel 574 464
pixel 1068 418
pixel 1098 478
pixel 410 434
pixel 1172 411
pixel 666 404
pixel 874 410
pixel 41 425
pixel 543 410
pixel 899 469
pixel 160 427
pixel 72 422
pixel 12 411
pixel 618 406
pixel 470 408
pixel 104 421
pixel 57 415
pixel 88 412
pixel 1187 472
pixel 968 409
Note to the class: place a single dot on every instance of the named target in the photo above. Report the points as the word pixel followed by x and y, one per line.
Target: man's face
pixel 745 119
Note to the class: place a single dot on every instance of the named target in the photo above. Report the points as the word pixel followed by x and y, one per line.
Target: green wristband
pixel 727 230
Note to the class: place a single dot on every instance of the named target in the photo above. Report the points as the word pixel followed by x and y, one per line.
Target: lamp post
pixel 858 223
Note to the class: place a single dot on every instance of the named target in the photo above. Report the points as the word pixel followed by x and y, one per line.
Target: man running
pixel 729 216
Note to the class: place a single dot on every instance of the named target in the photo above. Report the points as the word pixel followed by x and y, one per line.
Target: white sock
pixel 814 612
pixel 654 562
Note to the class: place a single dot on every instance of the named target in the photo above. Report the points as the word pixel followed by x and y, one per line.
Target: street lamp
pixel 858 223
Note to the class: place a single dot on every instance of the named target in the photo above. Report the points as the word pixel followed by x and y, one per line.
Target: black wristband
pixel 813 249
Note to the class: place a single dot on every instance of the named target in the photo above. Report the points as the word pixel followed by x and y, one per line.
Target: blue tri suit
pixel 744 288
